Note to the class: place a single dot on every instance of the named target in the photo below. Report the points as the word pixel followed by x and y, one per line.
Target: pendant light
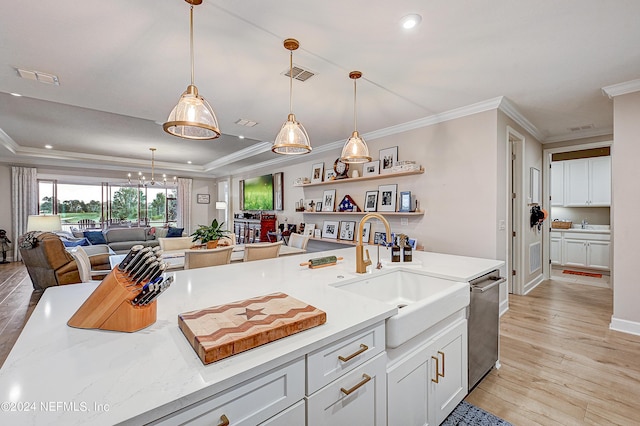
pixel 355 150
pixel 292 138
pixel 192 117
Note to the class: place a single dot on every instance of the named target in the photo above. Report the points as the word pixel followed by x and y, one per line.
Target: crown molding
pixel 507 107
pixel 7 142
pixel 621 88
pixel 242 154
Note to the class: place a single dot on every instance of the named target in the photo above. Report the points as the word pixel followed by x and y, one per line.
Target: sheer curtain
pixel 24 198
pixel 184 204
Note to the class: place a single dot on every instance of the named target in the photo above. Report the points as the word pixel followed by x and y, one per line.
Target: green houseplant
pixel 210 234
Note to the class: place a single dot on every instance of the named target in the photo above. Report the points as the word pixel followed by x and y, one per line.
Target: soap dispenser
pixel 395 251
pixel 407 250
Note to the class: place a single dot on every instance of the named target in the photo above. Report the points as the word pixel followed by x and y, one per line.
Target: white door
pixel 555 251
pixel 407 390
pixel 575 252
pixel 576 183
pixel 557 183
pixel 600 181
pixel 598 254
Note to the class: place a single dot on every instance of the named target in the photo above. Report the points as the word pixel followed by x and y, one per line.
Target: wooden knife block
pixel 109 307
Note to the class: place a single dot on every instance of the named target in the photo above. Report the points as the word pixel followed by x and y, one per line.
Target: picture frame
pixel 347 230
pixel 366 232
pixel 413 243
pixel 371 201
pixel 387 198
pixel 329 200
pixel 278 191
pixel 405 201
pixel 329 174
pixel 388 159
pixel 330 229
pixel 317 172
pixel 380 238
pixel 319 206
pixel 309 205
pixel 309 228
pixel 203 198
pixel 534 190
pixel 371 168
pixel 317 233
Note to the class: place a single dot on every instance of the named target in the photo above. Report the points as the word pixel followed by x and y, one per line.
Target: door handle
pixel 363 348
pixel 365 379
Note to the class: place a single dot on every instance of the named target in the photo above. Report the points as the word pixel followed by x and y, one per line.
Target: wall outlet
pixel 404 221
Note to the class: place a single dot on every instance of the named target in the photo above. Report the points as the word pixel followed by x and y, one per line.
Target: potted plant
pixel 210 234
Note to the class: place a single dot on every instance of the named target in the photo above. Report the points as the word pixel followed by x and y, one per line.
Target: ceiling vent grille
pixel 299 74
pixel 244 122
pixel 42 77
pixel 581 128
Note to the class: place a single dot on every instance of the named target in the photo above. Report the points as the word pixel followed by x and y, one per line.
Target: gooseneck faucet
pixel 361 262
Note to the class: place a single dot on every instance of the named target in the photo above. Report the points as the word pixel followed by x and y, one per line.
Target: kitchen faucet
pixel 361 262
pixel 584 223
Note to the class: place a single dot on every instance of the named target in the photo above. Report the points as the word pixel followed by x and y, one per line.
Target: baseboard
pixel 625 326
pixel 504 307
pixel 533 284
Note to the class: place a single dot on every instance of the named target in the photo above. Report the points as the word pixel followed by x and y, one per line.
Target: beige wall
pixel 625 154
pixel 5 205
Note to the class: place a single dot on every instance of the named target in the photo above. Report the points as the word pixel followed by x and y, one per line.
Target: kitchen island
pixel 56 374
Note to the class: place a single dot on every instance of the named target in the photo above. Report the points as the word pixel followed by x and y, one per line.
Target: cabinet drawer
pixel 587 236
pixel 292 416
pixel 365 403
pixel 332 361
pixel 249 403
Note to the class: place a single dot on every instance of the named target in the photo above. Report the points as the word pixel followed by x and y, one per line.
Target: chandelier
pixel 142 180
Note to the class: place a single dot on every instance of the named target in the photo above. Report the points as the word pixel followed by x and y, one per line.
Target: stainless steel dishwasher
pixel 483 325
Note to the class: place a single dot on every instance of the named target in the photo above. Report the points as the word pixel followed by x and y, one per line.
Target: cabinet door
pixel 555 251
pixel 357 398
pixel 575 252
pixel 557 183
pixel 407 389
pixel 598 254
pixel 294 415
pixel 576 183
pixel 449 370
pixel 600 181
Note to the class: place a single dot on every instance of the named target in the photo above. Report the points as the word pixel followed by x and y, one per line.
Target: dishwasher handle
pixel 486 285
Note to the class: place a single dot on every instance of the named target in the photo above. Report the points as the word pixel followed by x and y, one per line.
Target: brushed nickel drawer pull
pixel 224 420
pixel 363 348
pixel 365 379
pixel 436 380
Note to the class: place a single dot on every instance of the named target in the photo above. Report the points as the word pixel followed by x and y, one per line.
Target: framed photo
pixel 317 172
pixel 278 191
pixel 329 174
pixel 371 168
pixel 203 198
pixel 317 233
pixel 405 201
pixel 388 158
pixel 413 243
pixel 366 232
pixel 318 206
pixel 371 201
pixel 347 230
pixel 380 238
pixel 309 228
pixel 329 200
pixel 330 229
pixel 387 198
pixel 310 205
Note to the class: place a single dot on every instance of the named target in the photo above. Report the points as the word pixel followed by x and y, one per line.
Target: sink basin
pixel 422 300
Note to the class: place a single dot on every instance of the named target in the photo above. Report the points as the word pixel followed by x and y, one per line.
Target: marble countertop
pixel 56 374
pixel 590 229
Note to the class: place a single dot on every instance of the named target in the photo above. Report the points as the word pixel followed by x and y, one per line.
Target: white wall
pixel 458 190
pixel 625 231
pixel 5 206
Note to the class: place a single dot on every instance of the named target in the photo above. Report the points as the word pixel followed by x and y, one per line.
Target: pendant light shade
pixel 355 150
pixel 192 117
pixel 292 138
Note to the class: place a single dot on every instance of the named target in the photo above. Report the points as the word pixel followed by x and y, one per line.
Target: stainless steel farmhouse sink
pixel 422 300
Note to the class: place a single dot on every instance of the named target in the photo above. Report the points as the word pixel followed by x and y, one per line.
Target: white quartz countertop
pixel 589 229
pixel 56 374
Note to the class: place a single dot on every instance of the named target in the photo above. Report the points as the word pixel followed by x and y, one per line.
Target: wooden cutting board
pixel 221 331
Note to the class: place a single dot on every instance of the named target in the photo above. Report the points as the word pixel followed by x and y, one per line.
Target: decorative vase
pixel 212 244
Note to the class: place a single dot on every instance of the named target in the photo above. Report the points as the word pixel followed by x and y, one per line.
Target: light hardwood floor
pixel 561 365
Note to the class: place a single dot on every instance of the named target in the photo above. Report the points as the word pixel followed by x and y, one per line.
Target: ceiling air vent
pixel 244 122
pixel 299 74
pixel 581 128
pixel 42 77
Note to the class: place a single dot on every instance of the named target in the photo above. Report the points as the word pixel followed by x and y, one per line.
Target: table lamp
pixel 44 223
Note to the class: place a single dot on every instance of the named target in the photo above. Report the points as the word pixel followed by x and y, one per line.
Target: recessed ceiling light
pixel 189 162
pixel 240 137
pixel 48 146
pixel 410 21
pixel 15 94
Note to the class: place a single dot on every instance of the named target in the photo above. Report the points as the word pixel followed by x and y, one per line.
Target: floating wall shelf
pixel 363 178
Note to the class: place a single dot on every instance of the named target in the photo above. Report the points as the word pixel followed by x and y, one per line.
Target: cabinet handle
pixel 365 379
pixel 436 380
pixel 225 421
pixel 363 348
pixel 437 373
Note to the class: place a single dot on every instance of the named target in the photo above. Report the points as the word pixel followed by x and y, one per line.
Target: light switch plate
pixel 404 221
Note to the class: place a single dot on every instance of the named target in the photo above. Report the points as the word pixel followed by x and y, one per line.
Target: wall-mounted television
pixel 258 193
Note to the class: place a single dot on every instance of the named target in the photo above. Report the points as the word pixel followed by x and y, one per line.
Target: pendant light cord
pixel 191 42
pixel 291 82
pixel 355 97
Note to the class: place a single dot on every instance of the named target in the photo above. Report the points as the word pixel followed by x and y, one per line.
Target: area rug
pixel 466 414
pixel 584 274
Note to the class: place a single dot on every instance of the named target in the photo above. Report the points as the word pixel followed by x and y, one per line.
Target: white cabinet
pixel 587 182
pixel 356 398
pixel 426 385
pixel 557 183
pixel 555 248
pixel 586 250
